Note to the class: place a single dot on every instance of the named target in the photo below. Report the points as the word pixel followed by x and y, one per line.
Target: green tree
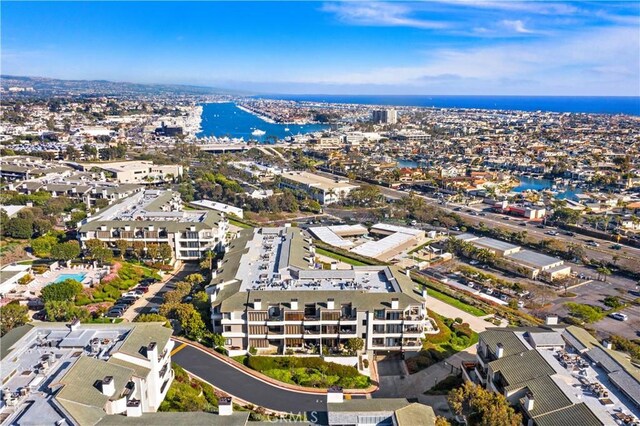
pixel 18 227
pixel 12 315
pixel 58 310
pixel 66 290
pixel 190 320
pixel 482 407
pixel 65 251
pixel 42 246
pixel 194 279
pixel 122 246
pixel 165 252
pixel 354 345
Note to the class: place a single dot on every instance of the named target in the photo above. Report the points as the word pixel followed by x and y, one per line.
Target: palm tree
pixel 603 273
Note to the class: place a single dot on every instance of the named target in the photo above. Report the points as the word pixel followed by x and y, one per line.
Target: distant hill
pixel 43 86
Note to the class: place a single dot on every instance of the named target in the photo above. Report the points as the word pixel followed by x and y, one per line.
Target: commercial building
pixel 80 374
pixel 395 240
pixel 524 262
pixel 156 216
pixel 219 207
pixel 557 376
pixel 138 171
pixel 268 293
pixel 386 116
pixel 322 189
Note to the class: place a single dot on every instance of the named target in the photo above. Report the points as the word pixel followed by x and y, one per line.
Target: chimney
pixel 394 303
pixel 225 406
pixel 152 351
pixel 127 228
pixel 424 292
pixel 151 228
pixel 528 401
pixel 103 227
pixel 499 350
pixel 331 304
pixel 607 344
pixel 335 395
pixel 192 228
pixel 551 320
pixel 75 324
pixel 108 386
pixel 294 304
pixel 257 304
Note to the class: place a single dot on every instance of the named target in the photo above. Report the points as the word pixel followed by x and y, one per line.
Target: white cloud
pixel 379 14
pixel 601 62
pixel 516 25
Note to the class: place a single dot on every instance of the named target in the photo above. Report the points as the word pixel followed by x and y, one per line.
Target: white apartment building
pixel 269 294
pixel 156 216
pixel 79 374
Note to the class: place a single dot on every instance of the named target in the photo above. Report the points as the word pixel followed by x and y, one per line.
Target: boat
pixel 286 129
pixel 258 132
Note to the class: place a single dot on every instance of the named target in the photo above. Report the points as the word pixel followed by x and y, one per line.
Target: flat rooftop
pixel 276 259
pixel 534 258
pixel 317 181
pixel 150 205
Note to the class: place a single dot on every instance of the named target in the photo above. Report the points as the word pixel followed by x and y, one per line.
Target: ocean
pixel 629 105
pixel 226 119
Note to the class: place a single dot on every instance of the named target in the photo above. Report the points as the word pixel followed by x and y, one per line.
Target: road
pixel 239 384
pixel 154 297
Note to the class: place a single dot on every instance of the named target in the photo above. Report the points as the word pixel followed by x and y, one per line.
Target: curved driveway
pixel 237 383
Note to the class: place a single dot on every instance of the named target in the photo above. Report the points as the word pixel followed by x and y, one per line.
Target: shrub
pixel 64 291
pixel 365 363
pixel 253 350
pixel 25 280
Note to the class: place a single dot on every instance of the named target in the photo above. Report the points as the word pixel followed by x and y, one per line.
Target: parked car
pixel 554 233
pixel 593 244
pixel 113 314
pixel 522 224
pixel 506 218
pixel 470 284
pixel 616 246
pixel 143 288
pixel 540 226
pixel 154 310
pixel 569 233
pixel 489 290
pixel 520 304
pixel 132 294
pixel 128 300
pixel 504 297
pixel 619 316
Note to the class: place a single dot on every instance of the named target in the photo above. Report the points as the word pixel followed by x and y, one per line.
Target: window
pixel 378 314
pixel 227 341
pixel 227 328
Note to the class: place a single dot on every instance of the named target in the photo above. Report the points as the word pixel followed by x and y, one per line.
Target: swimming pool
pixel 78 277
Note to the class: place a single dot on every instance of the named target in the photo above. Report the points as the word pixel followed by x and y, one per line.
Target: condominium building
pixel 322 189
pixel 557 376
pixel 386 116
pixel 268 293
pixel 80 374
pixel 156 216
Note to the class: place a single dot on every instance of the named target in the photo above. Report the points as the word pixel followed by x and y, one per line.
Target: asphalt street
pixel 244 386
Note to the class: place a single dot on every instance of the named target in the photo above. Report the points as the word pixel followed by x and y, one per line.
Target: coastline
pixel 261 117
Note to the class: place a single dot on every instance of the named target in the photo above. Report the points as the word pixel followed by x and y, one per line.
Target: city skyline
pixel 436 48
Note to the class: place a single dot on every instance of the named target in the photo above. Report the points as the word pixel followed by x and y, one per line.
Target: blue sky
pixel 357 47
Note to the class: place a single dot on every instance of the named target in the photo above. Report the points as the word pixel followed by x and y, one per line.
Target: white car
pixel 619 316
pixel 132 294
pixel 520 304
pixel 593 244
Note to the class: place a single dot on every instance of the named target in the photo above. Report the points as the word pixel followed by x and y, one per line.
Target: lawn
pixel 456 303
pixel 310 372
pixel 340 257
pixel 238 223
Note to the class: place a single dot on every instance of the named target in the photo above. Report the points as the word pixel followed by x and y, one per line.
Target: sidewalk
pixel 414 385
pixel 477 324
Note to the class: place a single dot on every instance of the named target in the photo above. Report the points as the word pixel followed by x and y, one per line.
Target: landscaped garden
pixel 307 371
pixel 453 337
